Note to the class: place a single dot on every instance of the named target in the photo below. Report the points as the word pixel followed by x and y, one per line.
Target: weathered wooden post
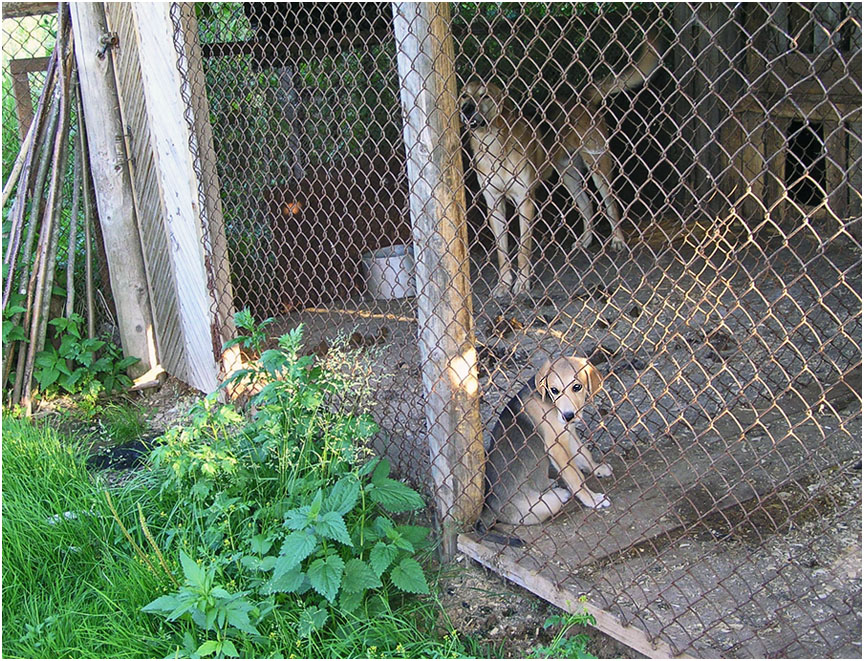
pixel 424 53
pixel 114 197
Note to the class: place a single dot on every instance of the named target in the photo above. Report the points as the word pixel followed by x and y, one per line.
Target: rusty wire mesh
pixel 28 42
pixel 727 330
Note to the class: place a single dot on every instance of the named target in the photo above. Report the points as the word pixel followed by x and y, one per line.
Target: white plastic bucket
pixel 390 272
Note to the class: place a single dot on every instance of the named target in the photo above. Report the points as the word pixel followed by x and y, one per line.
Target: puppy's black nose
pixel 568 416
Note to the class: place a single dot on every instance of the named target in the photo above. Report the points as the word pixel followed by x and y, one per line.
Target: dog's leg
pixel 572 178
pixel 586 463
pixel 498 224
pixel 602 176
pixel 532 508
pixel 560 456
pixel 526 229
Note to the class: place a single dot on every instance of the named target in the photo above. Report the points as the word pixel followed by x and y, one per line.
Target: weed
pixel 563 646
pixel 293 515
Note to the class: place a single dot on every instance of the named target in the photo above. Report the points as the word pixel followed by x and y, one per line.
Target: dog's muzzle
pixel 470 117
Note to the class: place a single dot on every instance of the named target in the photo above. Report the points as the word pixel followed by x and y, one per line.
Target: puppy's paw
pixel 584 241
pixel 603 470
pixel 618 244
pixel 501 290
pixel 593 500
pixel 521 286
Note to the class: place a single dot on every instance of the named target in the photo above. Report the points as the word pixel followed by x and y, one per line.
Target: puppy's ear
pixel 540 377
pixel 595 380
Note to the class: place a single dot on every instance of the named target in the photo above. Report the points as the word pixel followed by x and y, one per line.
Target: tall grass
pixel 69 588
pixel 73 587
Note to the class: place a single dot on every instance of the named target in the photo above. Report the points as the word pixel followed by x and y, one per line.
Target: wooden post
pixel 216 245
pixel 424 54
pixel 189 225
pixel 114 198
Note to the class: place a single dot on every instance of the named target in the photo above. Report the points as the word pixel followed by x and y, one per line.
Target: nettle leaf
pixel 164 605
pixel 416 535
pixel 260 544
pixel 289 581
pixel 312 618
pixel 299 518
pixel 343 496
pixel 394 496
pixel 381 556
pixel 325 575
pixel 238 617
pixel 228 649
pixel 408 576
pixel 315 507
pixel 359 577
pixel 332 526
pixel 382 470
pixel 368 467
pixel 350 601
pixel 296 548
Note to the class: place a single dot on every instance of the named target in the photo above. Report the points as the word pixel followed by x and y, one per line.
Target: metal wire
pixel 727 329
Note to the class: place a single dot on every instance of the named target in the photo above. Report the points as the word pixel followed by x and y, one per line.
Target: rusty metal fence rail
pixel 691 175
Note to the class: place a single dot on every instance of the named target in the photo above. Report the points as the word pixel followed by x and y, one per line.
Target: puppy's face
pixel 568 382
pixel 480 104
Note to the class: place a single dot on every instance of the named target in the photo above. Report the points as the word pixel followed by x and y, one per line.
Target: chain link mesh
pixel 727 330
pixel 28 42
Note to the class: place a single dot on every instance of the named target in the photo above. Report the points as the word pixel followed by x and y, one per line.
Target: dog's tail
pixel 495 538
pixel 633 76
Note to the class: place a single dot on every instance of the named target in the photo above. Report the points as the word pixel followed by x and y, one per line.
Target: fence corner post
pixel 425 58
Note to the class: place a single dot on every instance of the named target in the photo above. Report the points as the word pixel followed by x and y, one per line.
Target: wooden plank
pixel 114 198
pixel 837 170
pixel 178 185
pixel 28 65
pixel 22 9
pixel 566 600
pixel 23 103
pixel 149 208
pixel 854 165
pixel 424 48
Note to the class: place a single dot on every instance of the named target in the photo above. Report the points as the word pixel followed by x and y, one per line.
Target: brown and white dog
pixel 536 433
pixel 510 158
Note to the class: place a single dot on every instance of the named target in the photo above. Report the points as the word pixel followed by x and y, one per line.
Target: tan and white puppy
pixel 535 443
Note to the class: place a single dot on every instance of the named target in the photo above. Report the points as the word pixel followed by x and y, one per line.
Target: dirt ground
pixel 699 345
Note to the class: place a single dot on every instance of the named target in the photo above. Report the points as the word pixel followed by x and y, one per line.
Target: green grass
pixel 69 588
pixel 74 587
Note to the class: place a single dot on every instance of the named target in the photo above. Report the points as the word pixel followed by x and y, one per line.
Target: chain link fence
pixel 725 319
pixel 28 42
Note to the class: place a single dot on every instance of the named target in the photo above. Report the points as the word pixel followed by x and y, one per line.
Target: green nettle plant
pixel 78 364
pixel 288 506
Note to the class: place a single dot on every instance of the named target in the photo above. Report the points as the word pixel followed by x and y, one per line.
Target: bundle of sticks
pixel 37 180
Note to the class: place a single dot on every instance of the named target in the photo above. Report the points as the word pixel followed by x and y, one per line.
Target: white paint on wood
pixel 178 183
pixel 114 197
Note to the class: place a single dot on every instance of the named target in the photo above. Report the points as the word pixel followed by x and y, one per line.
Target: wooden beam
pixel 424 48
pixel 22 9
pixel 114 197
pixel 179 182
pixel 566 600
pixel 19 69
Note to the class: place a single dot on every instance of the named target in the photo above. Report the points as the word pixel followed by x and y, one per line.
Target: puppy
pixel 511 157
pixel 536 433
